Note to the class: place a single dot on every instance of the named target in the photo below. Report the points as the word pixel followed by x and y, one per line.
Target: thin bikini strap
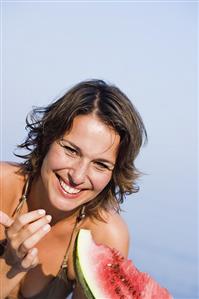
pixel 79 218
pixel 23 199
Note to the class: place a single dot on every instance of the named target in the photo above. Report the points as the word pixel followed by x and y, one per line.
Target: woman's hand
pixel 22 234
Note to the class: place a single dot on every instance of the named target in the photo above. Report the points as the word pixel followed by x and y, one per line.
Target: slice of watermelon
pixel 105 274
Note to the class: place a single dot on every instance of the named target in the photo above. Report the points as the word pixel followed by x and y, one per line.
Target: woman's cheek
pixel 101 181
pixel 55 160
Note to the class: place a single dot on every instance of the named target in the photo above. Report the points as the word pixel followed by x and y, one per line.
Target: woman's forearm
pixel 9 278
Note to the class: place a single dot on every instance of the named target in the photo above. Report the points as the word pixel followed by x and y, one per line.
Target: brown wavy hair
pixel 47 124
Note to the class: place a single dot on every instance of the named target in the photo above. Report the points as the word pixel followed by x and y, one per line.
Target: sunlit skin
pixel 75 170
pixel 84 160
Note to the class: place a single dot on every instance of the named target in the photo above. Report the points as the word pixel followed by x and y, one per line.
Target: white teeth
pixel 68 189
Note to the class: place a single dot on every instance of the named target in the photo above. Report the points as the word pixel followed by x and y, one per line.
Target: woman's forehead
pixel 90 134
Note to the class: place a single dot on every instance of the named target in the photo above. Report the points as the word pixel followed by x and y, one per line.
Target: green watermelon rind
pixel 88 280
pixel 86 268
pixel 79 274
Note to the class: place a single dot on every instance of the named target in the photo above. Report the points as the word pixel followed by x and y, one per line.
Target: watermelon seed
pixel 109 265
pixel 117 290
pixel 125 281
pixel 116 266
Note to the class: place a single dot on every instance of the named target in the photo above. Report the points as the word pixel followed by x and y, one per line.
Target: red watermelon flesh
pixel 105 274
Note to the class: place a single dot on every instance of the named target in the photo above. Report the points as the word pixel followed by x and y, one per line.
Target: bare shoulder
pixel 11 184
pixel 113 232
pixel 8 169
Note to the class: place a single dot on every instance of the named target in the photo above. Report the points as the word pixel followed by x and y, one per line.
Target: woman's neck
pixel 38 199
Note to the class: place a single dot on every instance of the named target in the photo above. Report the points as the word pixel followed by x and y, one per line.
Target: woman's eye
pixel 69 150
pixel 101 165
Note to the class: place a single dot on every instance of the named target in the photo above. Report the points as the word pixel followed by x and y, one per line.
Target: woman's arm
pixel 15 260
pixel 22 233
pixel 7 283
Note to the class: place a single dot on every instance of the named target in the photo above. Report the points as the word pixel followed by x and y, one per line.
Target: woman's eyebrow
pixel 80 151
pixel 72 144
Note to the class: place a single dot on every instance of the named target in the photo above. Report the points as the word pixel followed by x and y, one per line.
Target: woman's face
pixel 80 165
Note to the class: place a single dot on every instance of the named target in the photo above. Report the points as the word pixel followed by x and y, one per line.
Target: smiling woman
pixel 77 171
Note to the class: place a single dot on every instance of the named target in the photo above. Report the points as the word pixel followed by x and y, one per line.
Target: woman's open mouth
pixel 66 188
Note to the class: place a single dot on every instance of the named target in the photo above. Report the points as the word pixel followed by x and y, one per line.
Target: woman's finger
pixel 30 259
pixel 33 240
pixel 29 230
pixel 35 262
pixel 5 220
pixel 23 220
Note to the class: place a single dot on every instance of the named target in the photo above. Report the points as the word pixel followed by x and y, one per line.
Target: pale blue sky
pixel 148 49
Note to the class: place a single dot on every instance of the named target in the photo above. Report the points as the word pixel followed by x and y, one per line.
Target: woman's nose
pixel 78 173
